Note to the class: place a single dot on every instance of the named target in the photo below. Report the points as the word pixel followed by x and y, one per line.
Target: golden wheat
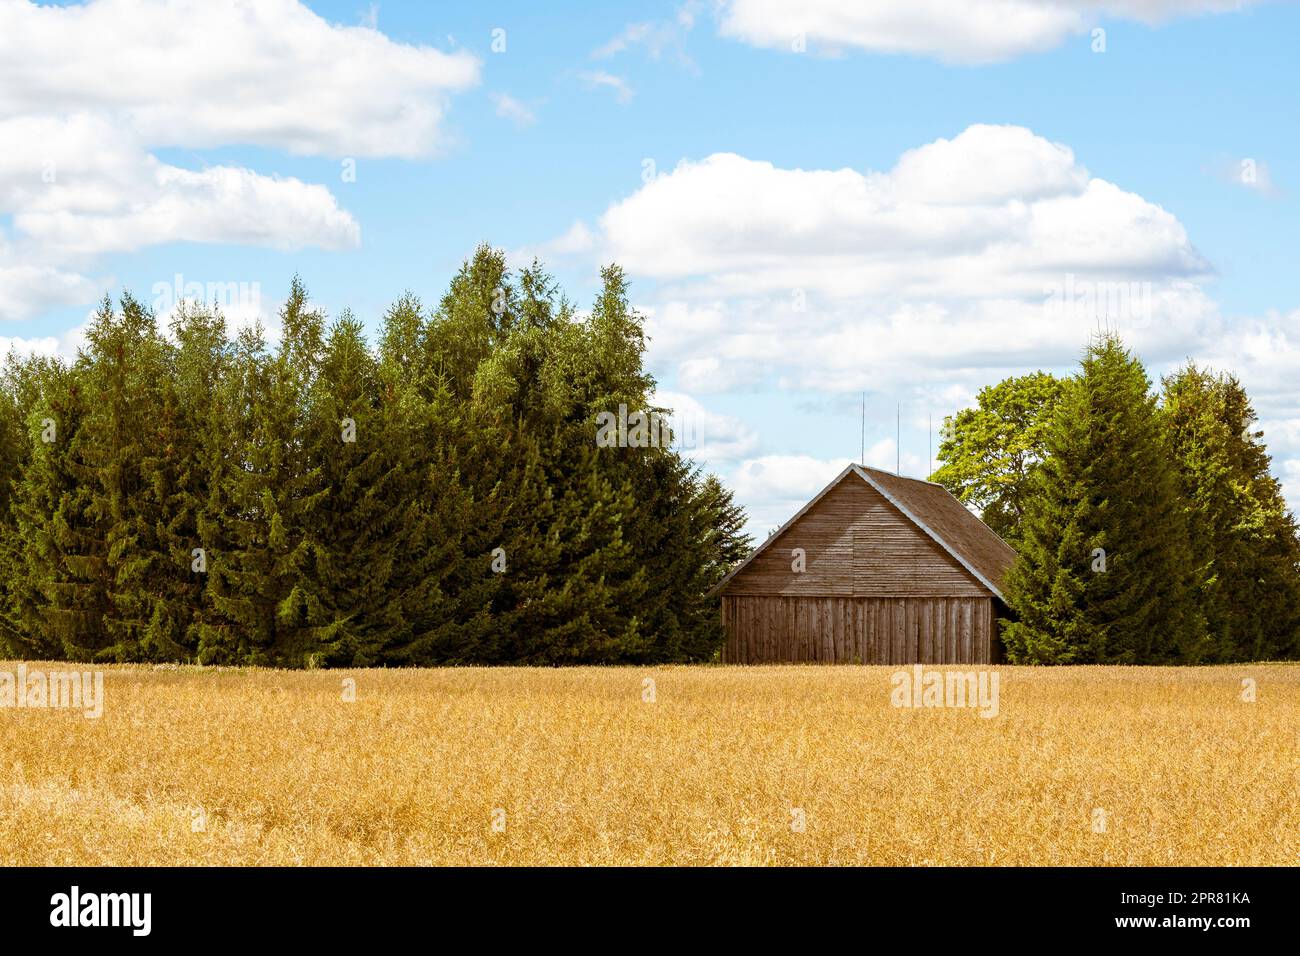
pixel 708 765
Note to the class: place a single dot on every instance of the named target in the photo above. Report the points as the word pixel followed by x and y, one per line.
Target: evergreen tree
pixel 440 592
pixel 1104 573
pixel 136 445
pixel 441 499
pixel 63 588
pixel 200 461
pixel 258 575
pixel 1243 539
pixel 42 392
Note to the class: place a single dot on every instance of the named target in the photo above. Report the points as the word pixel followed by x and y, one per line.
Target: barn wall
pixel 857 545
pixel 767 628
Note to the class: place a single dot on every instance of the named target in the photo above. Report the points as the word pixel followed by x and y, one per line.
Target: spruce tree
pixel 43 392
pixel 1104 573
pixel 1243 538
pixel 135 443
pixel 65 591
pixel 200 461
pixel 269 499
pixel 441 499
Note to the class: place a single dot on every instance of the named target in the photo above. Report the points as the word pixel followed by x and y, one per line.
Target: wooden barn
pixel 877 569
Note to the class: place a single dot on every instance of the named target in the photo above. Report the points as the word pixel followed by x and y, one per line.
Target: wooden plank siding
pixel 853 630
pixel 877 588
pixel 857 544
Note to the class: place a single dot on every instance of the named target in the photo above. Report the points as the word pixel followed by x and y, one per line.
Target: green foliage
pixel 1244 541
pixel 1107 491
pixel 438 499
pixel 1202 555
pixel 989 452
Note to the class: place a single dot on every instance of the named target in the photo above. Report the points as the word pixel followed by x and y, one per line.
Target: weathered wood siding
pixel 852 630
pixel 857 545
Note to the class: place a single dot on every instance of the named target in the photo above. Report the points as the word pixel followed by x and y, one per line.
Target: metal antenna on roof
pixel 929 445
pixel 898 437
pixel 862 459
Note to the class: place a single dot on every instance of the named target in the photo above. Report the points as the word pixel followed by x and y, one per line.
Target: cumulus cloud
pixel 79 187
pixel 969 32
pixel 704 434
pixel 972 258
pixel 199 74
pixel 993 249
pixel 89 91
pixel 26 289
pixel 1264 353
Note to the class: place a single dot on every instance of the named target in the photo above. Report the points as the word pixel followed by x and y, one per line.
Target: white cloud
pixel 957 31
pixel 655 37
pixel 704 434
pixel 79 187
pixel 774 487
pixel 48 345
pixel 793 477
pixel 26 290
pixel 971 259
pixel 596 79
pixel 64 345
pixel 195 73
pixel 578 240
pixel 993 249
pixel 108 195
pixel 633 34
pixel 89 91
pixel 510 108
pixel 709 374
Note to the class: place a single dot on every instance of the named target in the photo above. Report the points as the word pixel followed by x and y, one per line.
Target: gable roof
pixel 933 510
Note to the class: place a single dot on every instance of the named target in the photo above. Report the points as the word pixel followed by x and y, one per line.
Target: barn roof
pixel 930 507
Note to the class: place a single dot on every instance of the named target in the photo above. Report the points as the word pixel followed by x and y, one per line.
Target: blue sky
pixel 922 279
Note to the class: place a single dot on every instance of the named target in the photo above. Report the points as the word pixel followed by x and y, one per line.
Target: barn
pixel 877 569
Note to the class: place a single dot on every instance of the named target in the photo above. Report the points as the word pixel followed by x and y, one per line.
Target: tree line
pixel 1148 526
pixel 197 494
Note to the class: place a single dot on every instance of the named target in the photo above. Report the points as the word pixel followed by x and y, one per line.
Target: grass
pixel 207 766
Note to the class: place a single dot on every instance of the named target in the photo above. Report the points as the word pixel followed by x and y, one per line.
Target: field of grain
pixel 674 765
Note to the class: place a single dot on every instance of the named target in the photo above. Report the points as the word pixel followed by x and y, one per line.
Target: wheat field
pixel 657 765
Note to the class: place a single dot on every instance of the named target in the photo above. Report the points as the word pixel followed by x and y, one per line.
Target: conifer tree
pixel 200 460
pixel 441 594
pixel 65 595
pixel 42 393
pixel 258 578
pixel 441 499
pixel 1104 573
pixel 1243 538
pixel 135 444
